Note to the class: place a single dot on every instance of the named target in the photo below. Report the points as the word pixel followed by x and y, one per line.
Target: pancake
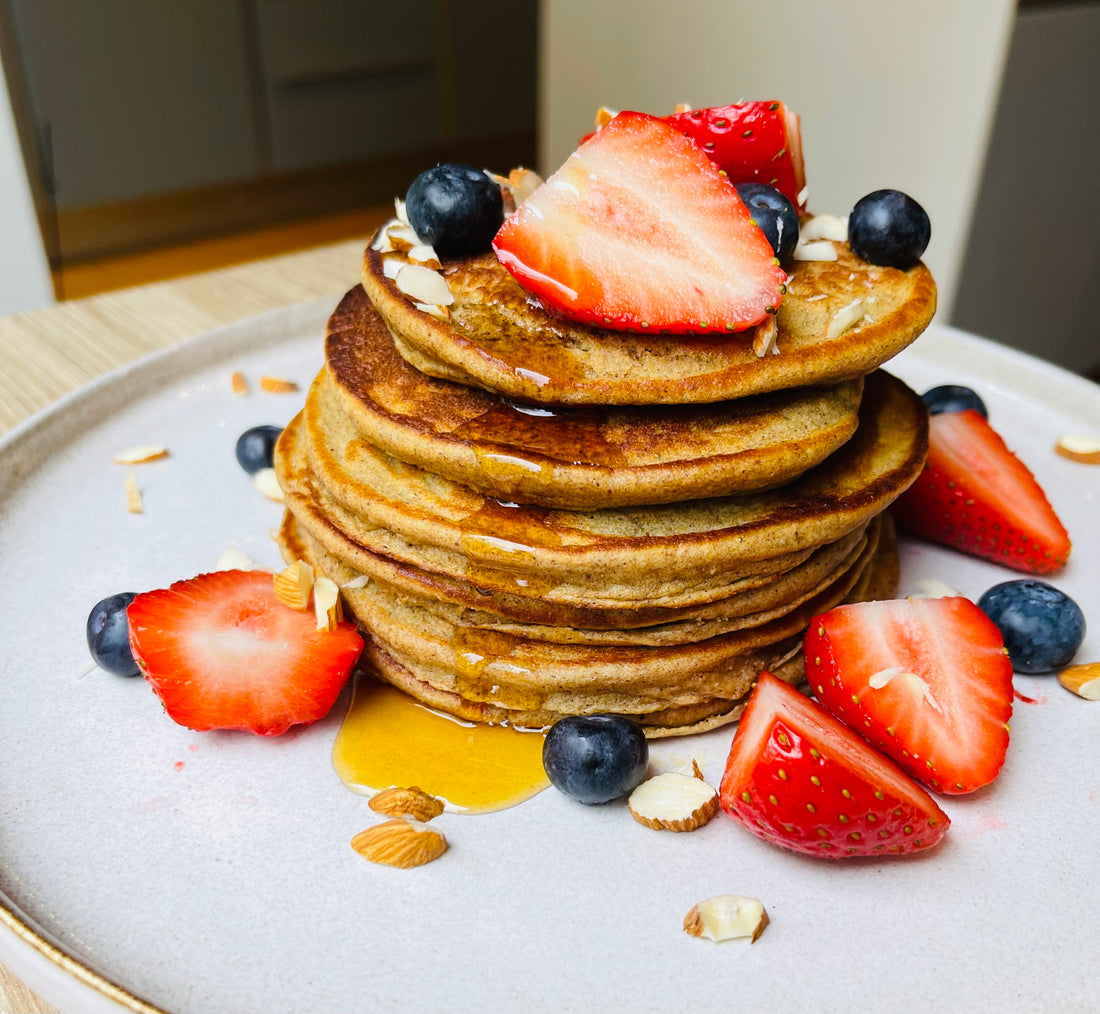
pixel 745 609
pixel 579 458
pixel 489 677
pixel 668 553
pixel 498 337
pixel 306 526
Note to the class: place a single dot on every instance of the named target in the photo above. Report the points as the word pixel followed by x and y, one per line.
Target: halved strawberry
pixel 752 142
pixel 975 495
pixel 640 231
pixel 926 681
pixel 799 778
pixel 222 652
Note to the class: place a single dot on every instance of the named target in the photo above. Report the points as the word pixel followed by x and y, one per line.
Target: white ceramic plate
pixel 144 864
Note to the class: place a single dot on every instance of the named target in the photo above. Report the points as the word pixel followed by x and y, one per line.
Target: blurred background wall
pixel 144 125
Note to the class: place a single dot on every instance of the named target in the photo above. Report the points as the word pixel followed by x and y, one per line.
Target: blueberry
pixel 953 398
pixel 1042 627
pixel 889 228
pixel 455 208
pixel 109 635
pixel 774 214
pixel 256 447
pixel 595 758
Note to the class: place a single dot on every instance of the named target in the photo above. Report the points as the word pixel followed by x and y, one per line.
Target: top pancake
pixel 500 338
pixel 575 457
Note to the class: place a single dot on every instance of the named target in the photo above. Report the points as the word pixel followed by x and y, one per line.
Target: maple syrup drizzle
pixel 387 739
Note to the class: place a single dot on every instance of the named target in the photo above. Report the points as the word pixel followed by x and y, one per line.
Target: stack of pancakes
pixel 532 518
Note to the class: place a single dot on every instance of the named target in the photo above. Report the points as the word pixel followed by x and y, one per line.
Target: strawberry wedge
pixel 926 681
pixel 798 778
pixel 222 652
pixel 978 497
pixel 752 142
pixel 640 231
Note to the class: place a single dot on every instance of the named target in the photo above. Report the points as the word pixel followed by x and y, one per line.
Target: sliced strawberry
pixel 799 778
pixel 640 231
pixel 975 495
pixel 926 681
pixel 752 142
pixel 222 652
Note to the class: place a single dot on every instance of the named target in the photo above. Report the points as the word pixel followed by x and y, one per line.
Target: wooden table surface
pixel 45 354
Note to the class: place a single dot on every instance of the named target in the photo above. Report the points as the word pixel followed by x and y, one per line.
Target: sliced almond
pixel 382 240
pixel 823 227
pixel 442 312
pixel 357 582
pixel 673 802
pixel 763 341
pixel 402 237
pixel 326 604
pixel 277 385
pixel 819 250
pixel 411 802
pixel 604 116
pixel 141 454
pixel 233 559
pixel 682 107
pixel 844 318
pixel 391 265
pixel 267 483
pixel 1080 448
pixel 294 585
pixel 1083 680
pixel 134 502
pixel 727 917
pixel 400 211
pixel 425 256
pixel 423 285
pixel 523 183
pixel 238 383
pixel 400 843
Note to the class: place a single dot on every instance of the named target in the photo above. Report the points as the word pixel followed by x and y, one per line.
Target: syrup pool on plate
pixel 387 739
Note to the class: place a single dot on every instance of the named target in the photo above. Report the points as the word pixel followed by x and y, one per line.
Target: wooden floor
pixel 91 277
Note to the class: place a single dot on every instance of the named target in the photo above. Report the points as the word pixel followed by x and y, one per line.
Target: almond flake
pixel 277 385
pixel 918 689
pixel 423 285
pixel 141 455
pixel 604 116
pixel 402 237
pixel 391 265
pixel 844 318
pixel 400 843
pixel 425 256
pixel 682 107
pixel 523 183
pixel 1083 680
pixel 821 250
pixel 233 559
pixel 673 802
pixel 934 588
pixel 326 604
pixel 442 312
pixel 134 503
pixel 382 240
pixel 294 585
pixel 764 340
pixel 1080 448
pixel 823 227
pixel 411 802
pixel 400 211
pixel 727 917
pixel 238 383
pixel 267 483
pixel 357 582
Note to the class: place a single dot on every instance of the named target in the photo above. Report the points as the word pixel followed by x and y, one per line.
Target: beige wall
pixel 891 94
pixel 24 274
